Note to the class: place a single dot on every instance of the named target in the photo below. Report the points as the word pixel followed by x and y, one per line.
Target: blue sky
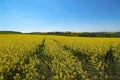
pixel 60 15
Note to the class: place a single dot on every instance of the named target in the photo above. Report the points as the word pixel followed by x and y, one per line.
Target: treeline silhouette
pixel 81 34
pixel 78 34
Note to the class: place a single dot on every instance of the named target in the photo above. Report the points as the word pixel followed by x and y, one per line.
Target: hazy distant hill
pixel 10 32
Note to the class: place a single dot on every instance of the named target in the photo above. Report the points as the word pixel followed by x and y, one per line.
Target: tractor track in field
pixel 45 59
pixel 82 57
pixel 39 51
pixel 77 54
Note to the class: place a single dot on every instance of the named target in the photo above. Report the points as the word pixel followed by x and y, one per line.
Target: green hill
pixel 10 32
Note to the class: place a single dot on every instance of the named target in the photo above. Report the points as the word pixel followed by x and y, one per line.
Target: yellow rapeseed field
pixel 44 57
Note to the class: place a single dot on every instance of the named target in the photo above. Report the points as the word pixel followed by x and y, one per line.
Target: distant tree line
pixel 78 34
pixel 83 34
pixel 100 34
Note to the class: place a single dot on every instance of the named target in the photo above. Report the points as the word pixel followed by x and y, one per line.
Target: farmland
pixel 39 57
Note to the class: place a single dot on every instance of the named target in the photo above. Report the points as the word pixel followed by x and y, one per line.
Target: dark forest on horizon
pixel 68 33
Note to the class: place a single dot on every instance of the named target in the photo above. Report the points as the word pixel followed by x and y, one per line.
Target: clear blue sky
pixel 60 15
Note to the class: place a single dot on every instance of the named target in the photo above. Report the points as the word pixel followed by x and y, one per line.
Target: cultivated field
pixel 38 57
